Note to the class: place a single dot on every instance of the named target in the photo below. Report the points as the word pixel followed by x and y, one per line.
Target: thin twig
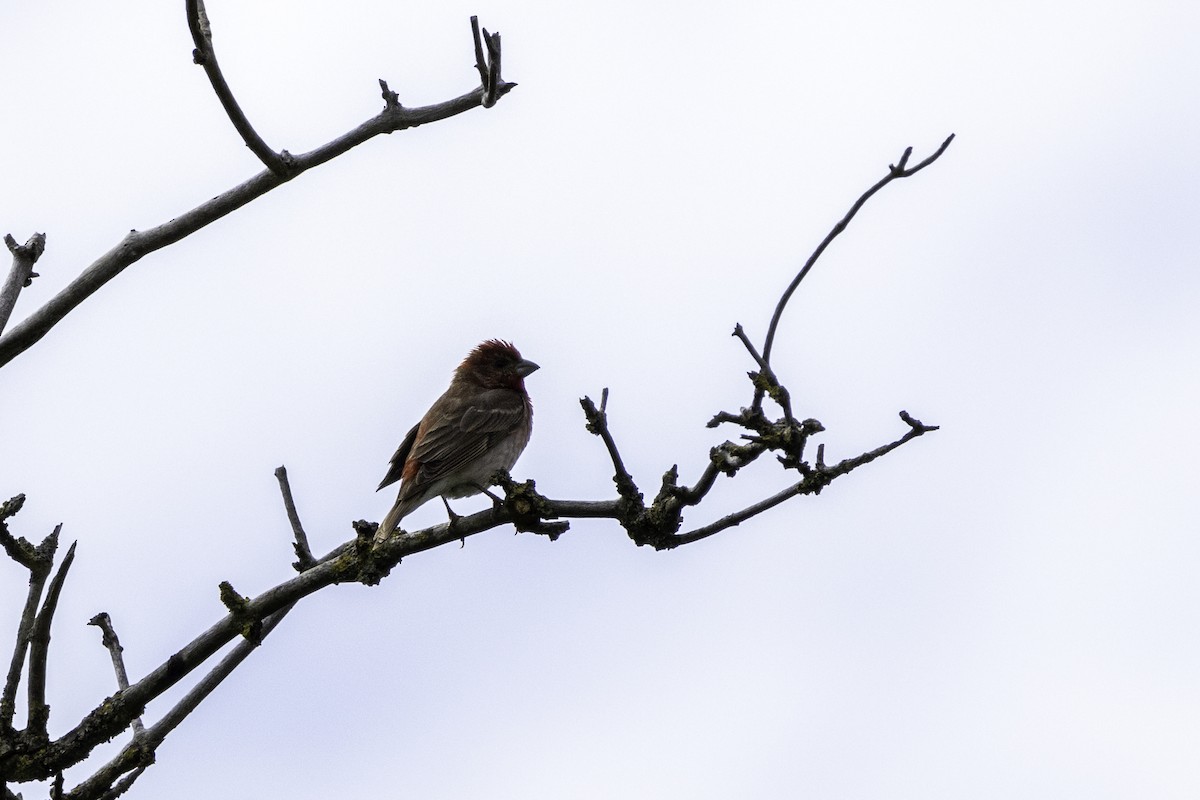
pixel 597 423
pixel 694 494
pixel 304 554
pixel 894 172
pixel 122 786
pixel 480 61
pixel 916 428
pixel 765 381
pixel 21 274
pixel 39 649
pixel 494 87
pixel 737 517
pixel 206 56
pixel 109 639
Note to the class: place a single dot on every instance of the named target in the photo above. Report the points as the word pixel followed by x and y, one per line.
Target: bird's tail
pixel 399 510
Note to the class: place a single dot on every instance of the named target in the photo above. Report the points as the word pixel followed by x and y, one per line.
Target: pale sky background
pixel 1006 608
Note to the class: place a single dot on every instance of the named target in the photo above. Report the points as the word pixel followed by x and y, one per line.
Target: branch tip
pixel 916 424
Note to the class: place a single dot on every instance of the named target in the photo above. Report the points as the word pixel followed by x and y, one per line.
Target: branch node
pixel 365 566
pixel 529 511
pixel 239 606
pixel 916 424
pixel 391 101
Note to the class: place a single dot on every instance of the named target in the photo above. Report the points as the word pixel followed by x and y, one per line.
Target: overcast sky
pixel 1006 608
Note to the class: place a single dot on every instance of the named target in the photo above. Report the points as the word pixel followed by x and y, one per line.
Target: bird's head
pixel 496 363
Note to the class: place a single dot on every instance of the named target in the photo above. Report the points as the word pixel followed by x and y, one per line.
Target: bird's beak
pixel 525 367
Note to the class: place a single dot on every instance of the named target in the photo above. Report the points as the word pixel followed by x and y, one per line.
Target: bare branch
pixel 480 61
pixel 206 56
pixel 37 582
pixel 109 640
pixel 21 274
pixel 494 87
pixel 122 786
pixel 39 565
pixel 916 428
pixel 765 380
pixel 18 549
pixel 738 517
pixel 303 552
pixel 894 172
pixel 597 423
pixel 138 244
pixel 39 649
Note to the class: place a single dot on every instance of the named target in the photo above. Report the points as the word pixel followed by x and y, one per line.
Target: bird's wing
pixel 396 467
pixel 463 431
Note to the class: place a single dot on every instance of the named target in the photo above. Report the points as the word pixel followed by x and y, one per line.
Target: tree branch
pixel 21 274
pixel 138 244
pixel 894 171
pixel 109 639
pixel 304 554
pixel 489 67
pixel 39 649
pixel 39 562
pixel 206 56
pixel 597 424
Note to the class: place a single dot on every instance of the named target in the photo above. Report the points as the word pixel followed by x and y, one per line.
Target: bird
pixel 479 425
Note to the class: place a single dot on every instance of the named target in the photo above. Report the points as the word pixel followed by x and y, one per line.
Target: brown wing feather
pixel 464 434
pixel 396 467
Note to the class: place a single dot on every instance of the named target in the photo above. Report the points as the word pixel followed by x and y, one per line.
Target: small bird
pixel 478 426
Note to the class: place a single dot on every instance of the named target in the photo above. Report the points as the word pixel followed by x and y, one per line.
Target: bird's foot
pixel 450 513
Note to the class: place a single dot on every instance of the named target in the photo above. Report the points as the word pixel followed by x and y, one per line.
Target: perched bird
pixel 480 425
